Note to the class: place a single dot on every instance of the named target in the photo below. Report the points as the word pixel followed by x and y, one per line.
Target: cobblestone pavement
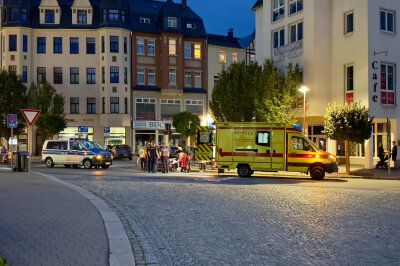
pixel 45 223
pixel 256 221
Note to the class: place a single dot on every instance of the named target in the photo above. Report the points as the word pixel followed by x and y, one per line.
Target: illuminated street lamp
pixel 304 90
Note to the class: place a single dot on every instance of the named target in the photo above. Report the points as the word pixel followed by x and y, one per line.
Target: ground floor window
pixel 316 135
pixel 73 132
pixel 117 136
pixel 356 149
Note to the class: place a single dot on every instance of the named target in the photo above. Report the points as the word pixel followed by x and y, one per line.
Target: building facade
pixel 347 50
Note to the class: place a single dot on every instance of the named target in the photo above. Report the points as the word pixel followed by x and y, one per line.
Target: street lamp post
pixel 304 90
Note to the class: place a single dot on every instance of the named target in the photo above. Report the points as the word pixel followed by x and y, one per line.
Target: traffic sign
pixel 12 121
pixel 30 115
pixel 106 130
pixel 83 129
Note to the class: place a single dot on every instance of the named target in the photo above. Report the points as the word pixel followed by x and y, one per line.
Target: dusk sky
pixel 220 15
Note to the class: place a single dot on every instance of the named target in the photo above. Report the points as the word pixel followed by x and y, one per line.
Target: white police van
pixel 75 152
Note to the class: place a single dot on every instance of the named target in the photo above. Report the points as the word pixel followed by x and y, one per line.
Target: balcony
pixel 288 50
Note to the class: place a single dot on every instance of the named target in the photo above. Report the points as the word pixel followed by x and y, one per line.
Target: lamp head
pixel 304 89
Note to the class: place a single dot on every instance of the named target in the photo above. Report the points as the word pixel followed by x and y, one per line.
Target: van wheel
pixel 67 165
pixel 49 162
pixel 317 173
pixel 87 164
pixel 244 170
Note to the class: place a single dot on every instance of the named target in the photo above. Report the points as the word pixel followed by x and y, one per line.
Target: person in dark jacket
pixel 394 154
pixel 154 155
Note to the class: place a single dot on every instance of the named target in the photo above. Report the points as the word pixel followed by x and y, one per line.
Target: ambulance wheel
pixel 244 170
pixel 317 173
pixel 87 164
pixel 49 162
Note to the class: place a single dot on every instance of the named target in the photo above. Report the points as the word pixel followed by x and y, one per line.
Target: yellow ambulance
pixel 270 147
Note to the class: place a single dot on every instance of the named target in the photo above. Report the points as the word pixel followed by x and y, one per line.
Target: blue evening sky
pixel 220 15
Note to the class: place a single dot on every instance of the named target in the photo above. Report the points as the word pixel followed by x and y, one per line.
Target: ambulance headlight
pixel 332 157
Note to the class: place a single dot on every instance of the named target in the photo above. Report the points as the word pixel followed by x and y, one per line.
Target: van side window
pixel 52 145
pixel 263 138
pixel 76 146
pixel 64 146
pixel 300 144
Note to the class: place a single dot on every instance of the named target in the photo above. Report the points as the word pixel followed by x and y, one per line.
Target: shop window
pixel 169 108
pixel 145 109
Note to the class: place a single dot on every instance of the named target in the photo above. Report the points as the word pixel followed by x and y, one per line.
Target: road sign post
pixel 12 122
pixel 30 117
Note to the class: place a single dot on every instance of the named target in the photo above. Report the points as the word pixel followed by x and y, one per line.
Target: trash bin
pixel 20 161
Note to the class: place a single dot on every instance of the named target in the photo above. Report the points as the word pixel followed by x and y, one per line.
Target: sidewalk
pixel 43 222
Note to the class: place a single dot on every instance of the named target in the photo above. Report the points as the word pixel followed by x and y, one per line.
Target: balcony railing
pixel 288 50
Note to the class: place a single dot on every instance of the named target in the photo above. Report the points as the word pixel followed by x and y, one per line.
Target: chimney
pixel 184 3
pixel 230 33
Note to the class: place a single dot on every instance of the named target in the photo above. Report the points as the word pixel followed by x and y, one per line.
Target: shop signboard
pixel 83 129
pixel 106 130
pixel 150 125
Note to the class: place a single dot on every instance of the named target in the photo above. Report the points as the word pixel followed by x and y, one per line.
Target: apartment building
pixel 347 50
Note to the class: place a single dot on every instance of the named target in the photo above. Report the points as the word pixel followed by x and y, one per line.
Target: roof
pixel 245 41
pixel 223 40
pixel 258 4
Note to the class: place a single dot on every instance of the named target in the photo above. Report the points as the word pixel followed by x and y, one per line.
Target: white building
pixel 348 51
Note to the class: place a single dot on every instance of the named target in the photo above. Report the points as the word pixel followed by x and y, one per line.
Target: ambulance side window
pixel 300 144
pixel 263 138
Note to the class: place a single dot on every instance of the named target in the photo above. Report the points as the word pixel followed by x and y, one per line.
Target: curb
pixel 118 242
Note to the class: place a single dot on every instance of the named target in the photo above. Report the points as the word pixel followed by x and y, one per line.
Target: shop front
pixel 115 136
pixel 146 130
pixel 76 132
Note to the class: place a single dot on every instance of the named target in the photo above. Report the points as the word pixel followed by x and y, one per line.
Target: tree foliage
pixel 13 98
pixel 348 122
pixel 248 93
pixel 45 98
pixel 186 123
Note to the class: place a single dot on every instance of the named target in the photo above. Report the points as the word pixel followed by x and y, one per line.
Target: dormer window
pixel 172 22
pixel 49 16
pixel 14 14
pixel 113 15
pixel 123 16
pixel 24 14
pixel 191 26
pixel 82 16
pixel 144 20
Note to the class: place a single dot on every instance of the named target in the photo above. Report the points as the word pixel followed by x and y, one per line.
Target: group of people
pixel 152 156
pixel 383 157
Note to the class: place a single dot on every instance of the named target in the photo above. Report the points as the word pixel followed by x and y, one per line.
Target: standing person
pixel 142 158
pixel 148 160
pixel 181 159
pixel 154 155
pixel 394 154
pixel 189 156
pixel 165 153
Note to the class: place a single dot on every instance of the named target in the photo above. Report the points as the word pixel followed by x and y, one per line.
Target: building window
pixel 25 43
pixel 197 51
pixel 102 44
pixel 113 15
pixel 114 74
pixel 91 105
pixel 125 75
pixel 222 57
pixel 216 79
pixel 125 45
pixel 197 80
pixel 114 105
pixel 145 109
pixel 348 22
pixel 279 38
pixel 12 44
pixel 234 57
pixel 114 44
pixel 191 26
pixel 90 75
pixel 151 76
pixel 172 22
pixel 169 108
pixel 126 105
pixel 57 45
pixel 41 74
pixel 74 75
pixel 24 14
pixel 12 70
pixel 172 76
pixel 90 45
pixel 144 20
pixel 74 45
pixel 74 105
pixel 41 45
pixel 103 74
pixel 140 76
pixel 295 6
pixel 188 50
pixel 194 106
pixel 103 105
pixel 296 32
pixel 140 47
pixel 151 47
pixel 172 47
pixel 25 74
pixel 49 16
pixel 278 10
pixel 57 75
pixel 82 17
pixel 123 16
pixel 188 79
pixel 14 14
pixel 349 78
pixel 388 88
pixel 387 21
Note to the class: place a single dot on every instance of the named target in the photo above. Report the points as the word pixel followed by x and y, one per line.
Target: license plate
pixel 107 163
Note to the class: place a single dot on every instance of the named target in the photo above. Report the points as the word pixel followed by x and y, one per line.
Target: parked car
pixel 122 151
pixel 74 152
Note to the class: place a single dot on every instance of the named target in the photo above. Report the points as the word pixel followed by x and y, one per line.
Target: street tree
pixel 186 123
pixel 13 98
pixel 255 93
pixel 349 123
pixel 45 98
